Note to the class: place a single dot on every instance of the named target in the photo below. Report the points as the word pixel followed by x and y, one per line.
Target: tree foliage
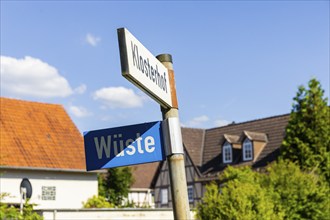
pixel 11 212
pixel 299 194
pixel 97 202
pixel 241 197
pixel 283 192
pixel 295 187
pixel 307 139
pixel 115 184
pixel 210 206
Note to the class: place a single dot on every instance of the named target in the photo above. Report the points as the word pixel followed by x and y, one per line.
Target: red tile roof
pixel 39 135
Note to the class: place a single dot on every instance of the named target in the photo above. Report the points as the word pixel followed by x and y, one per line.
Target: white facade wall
pixel 71 188
pixel 105 214
pixel 142 197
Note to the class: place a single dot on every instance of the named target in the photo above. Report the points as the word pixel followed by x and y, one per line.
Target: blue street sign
pixel 123 146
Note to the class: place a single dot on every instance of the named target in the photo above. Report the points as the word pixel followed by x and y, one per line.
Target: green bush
pixel 97 202
pixel 299 194
pixel 283 192
pixel 10 212
pixel 241 197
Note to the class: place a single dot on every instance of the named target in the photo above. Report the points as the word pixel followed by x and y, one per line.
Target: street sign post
pixel 141 68
pixel 142 143
pixel 124 146
pixel 175 155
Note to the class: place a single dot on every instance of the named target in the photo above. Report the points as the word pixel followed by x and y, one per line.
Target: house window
pixel 48 193
pixel 163 196
pixel 191 193
pixel 247 150
pixel 227 153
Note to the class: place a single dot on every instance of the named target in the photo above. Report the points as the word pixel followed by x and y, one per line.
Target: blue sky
pixel 233 60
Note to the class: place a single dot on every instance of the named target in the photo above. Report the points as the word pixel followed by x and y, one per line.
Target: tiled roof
pixel 39 135
pixel 143 174
pixel 204 147
pixel 271 130
pixel 193 141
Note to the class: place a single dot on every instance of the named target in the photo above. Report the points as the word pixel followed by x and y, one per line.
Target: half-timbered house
pixel 209 151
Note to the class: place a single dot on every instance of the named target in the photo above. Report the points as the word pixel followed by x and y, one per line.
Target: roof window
pixel 247 150
pixel 227 153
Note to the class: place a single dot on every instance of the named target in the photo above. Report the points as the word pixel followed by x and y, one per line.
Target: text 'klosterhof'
pixel 150 71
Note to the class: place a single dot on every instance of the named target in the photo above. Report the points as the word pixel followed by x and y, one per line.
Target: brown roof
pixel 204 147
pixel 271 129
pixel 193 140
pixel 143 174
pixel 39 135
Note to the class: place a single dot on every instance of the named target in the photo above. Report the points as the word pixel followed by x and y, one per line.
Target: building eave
pixel 46 169
pixel 135 189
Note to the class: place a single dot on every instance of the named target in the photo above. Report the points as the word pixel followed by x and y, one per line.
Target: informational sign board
pixel 124 146
pixel 140 67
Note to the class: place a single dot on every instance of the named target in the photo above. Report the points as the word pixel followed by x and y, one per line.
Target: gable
pixel 39 135
pixel 193 140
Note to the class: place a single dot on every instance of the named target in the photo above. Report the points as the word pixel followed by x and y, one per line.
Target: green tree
pixel 307 139
pixel 115 184
pixel 283 192
pixel 241 197
pixel 210 208
pixel 102 186
pixel 298 194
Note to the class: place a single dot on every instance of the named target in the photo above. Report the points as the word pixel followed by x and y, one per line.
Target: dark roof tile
pixel 143 174
pixel 193 141
pixel 271 129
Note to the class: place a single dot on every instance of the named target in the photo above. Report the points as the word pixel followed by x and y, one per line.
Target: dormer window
pixel 227 153
pixel 247 150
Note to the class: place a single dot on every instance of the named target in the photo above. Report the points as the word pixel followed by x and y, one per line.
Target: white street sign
pixel 140 67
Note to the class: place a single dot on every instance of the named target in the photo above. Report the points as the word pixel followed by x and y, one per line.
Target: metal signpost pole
pixel 156 78
pixel 176 158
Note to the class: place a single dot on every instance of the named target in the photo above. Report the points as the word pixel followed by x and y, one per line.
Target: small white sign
pixel 140 67
pixel 172 136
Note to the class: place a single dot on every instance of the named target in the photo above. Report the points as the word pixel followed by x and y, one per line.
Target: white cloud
pixel 32 77
pixel 80 89
pixel 92 40
pixel 221 122
pixel 79 111
pixel 197 121
pixel 118 97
